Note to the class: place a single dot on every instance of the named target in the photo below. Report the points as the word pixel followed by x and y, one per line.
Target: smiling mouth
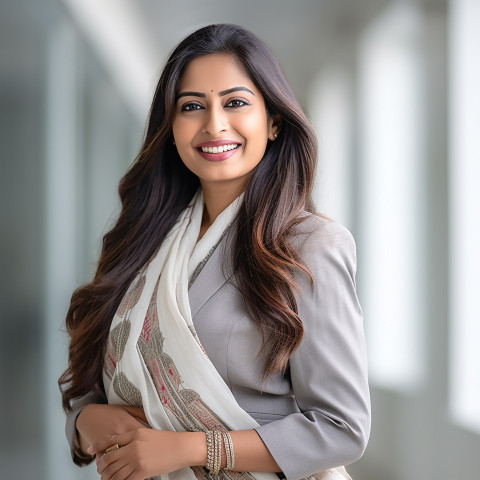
pixel 220 149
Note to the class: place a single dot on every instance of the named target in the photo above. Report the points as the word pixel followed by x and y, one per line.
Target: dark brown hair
pixel 158 187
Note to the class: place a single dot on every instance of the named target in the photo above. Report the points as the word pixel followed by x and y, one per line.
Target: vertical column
pixel 391 182
pixel 332 113
pixel 62 227
pixel 465 211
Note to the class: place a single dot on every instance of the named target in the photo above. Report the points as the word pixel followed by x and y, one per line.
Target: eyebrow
pixel 221 94
pixel 235 89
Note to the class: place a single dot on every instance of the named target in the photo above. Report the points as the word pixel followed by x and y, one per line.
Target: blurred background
pixel 392 88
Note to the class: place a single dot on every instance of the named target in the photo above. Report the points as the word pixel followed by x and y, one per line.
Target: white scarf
pixel 154 358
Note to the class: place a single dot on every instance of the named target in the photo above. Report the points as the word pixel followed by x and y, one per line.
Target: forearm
pixel 251 454
pixel 149 453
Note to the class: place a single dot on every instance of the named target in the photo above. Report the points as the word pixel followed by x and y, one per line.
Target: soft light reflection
pixel 115 29
pixel 332 117
pixel 61 236
pixel 391 131
pixel 465 212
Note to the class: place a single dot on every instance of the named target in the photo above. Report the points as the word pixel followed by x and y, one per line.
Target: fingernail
pixel 90 450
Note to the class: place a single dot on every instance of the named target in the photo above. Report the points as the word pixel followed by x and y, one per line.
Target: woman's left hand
pixel 146 453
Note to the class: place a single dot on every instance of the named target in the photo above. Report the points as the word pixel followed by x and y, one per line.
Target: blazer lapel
pixel 212 277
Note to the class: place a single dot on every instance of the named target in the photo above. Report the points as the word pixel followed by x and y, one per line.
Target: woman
pixel 222 328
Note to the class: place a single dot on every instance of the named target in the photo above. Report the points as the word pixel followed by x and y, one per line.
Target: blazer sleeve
pixel 95 396
pixel 329 369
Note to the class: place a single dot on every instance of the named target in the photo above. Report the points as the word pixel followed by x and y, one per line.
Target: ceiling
pixel 132 38
pixel 298 32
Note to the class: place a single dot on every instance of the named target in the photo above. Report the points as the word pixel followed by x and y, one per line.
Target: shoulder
pixel 315 234
pixel 327 248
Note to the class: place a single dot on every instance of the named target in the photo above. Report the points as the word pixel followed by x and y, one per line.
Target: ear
pixel 274 126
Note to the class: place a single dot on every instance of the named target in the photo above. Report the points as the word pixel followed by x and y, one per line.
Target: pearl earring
pixel 275 135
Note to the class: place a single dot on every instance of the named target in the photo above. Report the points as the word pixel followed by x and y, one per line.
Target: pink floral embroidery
pixel 185 404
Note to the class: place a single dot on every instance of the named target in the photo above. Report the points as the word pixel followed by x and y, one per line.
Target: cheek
pixel 182 139
pixel 179 129
pixel 255 127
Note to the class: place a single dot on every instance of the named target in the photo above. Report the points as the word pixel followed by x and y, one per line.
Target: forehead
pixel 214 72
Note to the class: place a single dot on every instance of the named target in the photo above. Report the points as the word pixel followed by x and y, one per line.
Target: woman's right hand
pixel 97 421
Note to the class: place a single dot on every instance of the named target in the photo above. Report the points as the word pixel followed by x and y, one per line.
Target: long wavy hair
pixel 158 186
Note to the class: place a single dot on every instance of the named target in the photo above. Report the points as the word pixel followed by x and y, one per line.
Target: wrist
pixel 195 444
pixel 79 442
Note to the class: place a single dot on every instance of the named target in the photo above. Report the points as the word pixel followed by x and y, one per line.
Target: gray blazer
pixel 317 415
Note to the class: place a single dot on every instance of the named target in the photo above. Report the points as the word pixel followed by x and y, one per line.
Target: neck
pixel 217 198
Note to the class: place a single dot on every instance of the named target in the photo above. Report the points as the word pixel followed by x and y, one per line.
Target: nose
pixel 215 121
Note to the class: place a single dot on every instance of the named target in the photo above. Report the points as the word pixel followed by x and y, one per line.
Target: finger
pixel 109 463
pixel 124 473
pixel 108 442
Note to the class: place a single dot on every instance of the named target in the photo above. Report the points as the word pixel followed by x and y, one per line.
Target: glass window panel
pixel 465 212
pixel 332 115
pixel 391 185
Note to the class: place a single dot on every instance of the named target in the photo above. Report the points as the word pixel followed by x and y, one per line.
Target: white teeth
pixel 220 149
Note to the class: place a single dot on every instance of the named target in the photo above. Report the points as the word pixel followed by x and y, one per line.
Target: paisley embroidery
pixel 132 296
pixel 116 343
pixel 195 336
pixel 186 404
pixel 126 390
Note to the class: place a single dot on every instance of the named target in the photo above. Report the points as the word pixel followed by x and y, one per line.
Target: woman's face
pixel 220 126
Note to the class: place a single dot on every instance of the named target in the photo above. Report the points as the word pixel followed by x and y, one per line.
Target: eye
pixel 236 103
pixel 190 107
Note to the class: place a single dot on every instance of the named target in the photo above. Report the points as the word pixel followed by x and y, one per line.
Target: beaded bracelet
pixel 215 438
pixel 210 450
pixel 217 464
pixel 214 451
pixel 227 440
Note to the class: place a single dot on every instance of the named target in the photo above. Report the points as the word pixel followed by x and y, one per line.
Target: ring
pixel 112 448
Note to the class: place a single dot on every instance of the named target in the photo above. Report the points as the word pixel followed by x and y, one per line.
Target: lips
pixel 217 151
